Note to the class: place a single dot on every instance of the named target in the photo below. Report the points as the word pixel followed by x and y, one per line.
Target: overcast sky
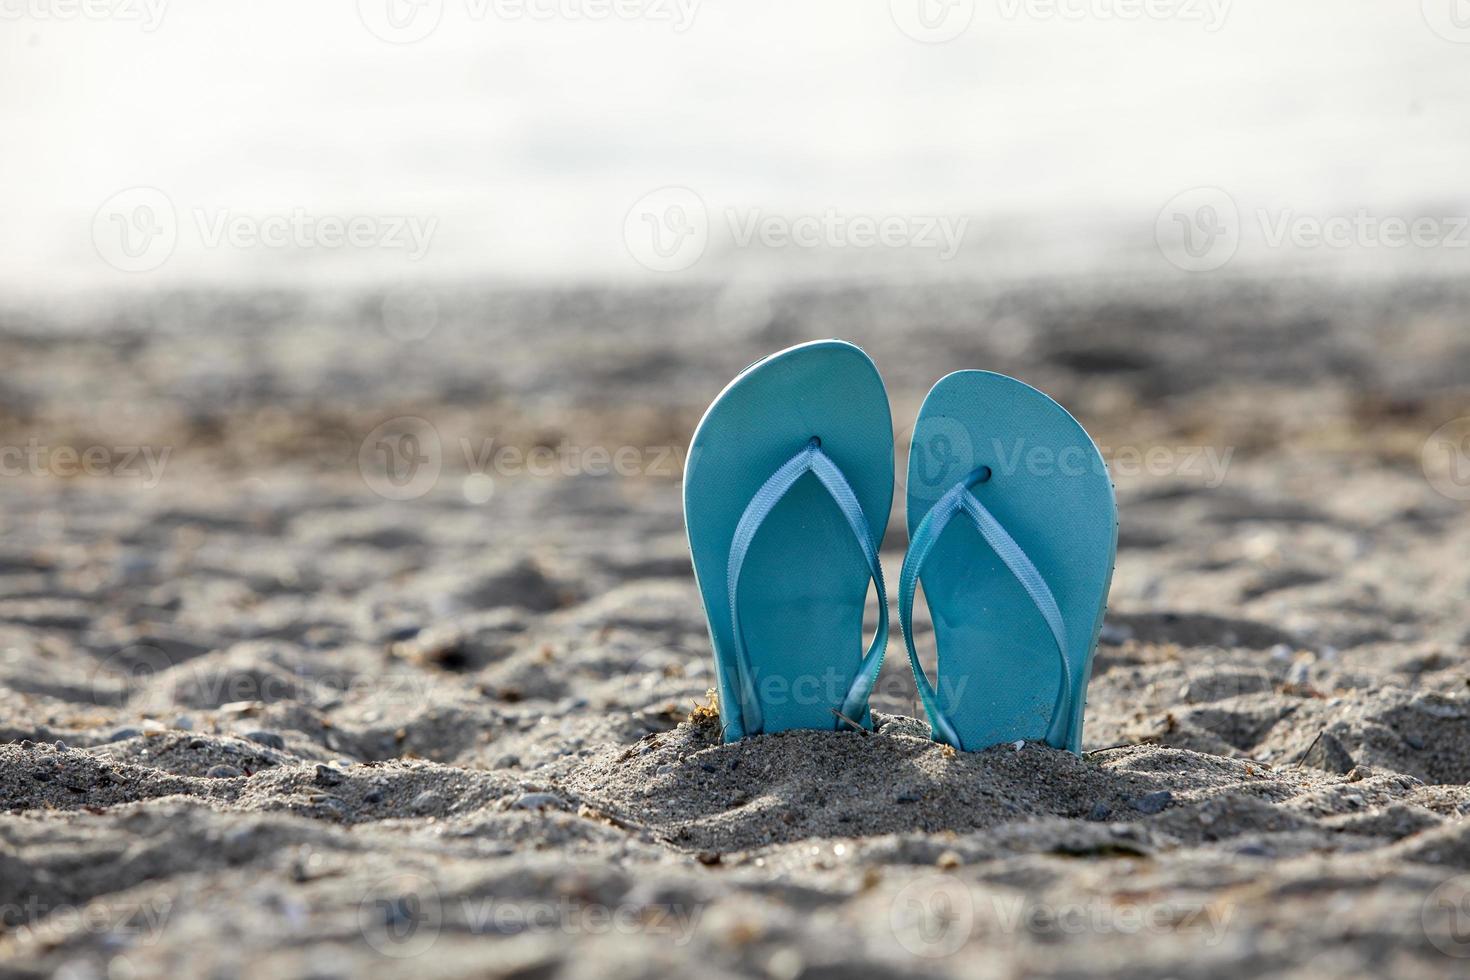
pixel 352 140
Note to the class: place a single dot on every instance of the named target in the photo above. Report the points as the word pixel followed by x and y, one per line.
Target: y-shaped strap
pixel 809 459
pixel 959 498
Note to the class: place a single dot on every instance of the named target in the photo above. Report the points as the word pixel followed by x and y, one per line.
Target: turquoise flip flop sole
pixel 1016 568
pixel 792 457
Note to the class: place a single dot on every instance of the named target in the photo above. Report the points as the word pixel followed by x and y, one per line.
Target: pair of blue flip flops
pixel 1012 532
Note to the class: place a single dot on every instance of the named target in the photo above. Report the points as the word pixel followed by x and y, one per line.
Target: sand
pixel 259 718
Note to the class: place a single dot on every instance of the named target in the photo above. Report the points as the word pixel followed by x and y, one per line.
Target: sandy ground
pixel 270 707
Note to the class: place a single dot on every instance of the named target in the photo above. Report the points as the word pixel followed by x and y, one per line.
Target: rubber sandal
pixel 1013 530
pixel 787 492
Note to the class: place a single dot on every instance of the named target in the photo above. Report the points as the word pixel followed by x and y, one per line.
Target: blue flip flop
pixel 1013 531
pixel 787 491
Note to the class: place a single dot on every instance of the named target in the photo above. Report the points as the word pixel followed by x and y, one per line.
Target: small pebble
pixel 224 772
pixel 908 798
pixel 1414 741
pixel 425 801
pixel 269 739
pixel 1100 811
pixel 327 776
pixel 372 797
pixel 184 723
pixel 1153 802
pixel 539 801
pixel 123 734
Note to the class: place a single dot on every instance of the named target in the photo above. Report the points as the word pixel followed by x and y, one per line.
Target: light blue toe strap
pixel 809 459
pixel 959 498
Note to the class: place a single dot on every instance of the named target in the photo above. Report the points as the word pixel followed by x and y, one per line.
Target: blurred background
pixel 255 235
pixel 152 144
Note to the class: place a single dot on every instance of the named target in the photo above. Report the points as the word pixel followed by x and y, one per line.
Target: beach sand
pixel 270 709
